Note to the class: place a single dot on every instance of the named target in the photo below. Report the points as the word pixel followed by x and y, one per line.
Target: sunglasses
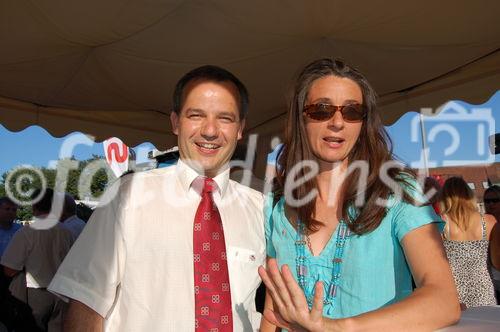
pixel 491 200
pixel 323 112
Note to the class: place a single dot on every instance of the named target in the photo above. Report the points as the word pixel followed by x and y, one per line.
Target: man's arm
pixel 10 272
pixel 80 318
pixel 495 245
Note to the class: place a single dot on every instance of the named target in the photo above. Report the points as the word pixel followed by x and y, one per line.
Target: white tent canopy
pixel 108 68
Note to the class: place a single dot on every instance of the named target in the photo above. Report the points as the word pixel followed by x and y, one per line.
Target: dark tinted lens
pixel 323 112
pixel 491 200
pixel 320 115
pixel 319 112
pixel 353 112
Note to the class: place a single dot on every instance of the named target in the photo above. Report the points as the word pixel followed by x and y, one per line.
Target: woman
pixel 343 224
pixel 466 236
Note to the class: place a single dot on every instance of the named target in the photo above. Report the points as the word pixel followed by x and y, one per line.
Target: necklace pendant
pixel 302 270
pixel 342 231
pixel 332 291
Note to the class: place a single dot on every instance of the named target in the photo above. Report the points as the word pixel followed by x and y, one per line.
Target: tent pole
pixel 424 144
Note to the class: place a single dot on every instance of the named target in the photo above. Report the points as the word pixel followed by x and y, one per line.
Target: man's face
pixel 492 203
pixel 8 212
pixel 208 125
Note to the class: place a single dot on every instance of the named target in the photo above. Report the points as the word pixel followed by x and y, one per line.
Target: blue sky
pixel 35 146
pixel 470 123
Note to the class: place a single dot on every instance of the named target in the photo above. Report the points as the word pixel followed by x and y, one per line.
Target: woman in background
pixel 466 239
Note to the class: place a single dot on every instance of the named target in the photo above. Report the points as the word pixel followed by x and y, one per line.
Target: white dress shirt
pixel 133 262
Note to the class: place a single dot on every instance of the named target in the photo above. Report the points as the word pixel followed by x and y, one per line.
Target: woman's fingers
pixel 277 278
pixel 296 293
pixel 271 288
pixel 290 304
pixel 276 319
pixel 317 308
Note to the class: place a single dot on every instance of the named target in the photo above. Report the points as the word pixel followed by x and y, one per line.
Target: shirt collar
pixel 187 175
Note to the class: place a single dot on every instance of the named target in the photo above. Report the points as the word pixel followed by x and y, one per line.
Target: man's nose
pixel 210 129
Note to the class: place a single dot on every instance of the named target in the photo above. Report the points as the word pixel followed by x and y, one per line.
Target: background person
pixel 495 259
pixel 69 219
pixel 346 265
pixel 491 201
pixel 38 252
pixel 466 242
pixel 8 212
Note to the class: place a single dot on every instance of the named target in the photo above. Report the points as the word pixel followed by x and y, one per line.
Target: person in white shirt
pixel 70 220
pixel 39 249
pixel 133 267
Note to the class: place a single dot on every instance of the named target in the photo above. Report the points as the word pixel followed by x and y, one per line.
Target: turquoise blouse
pixel 374 271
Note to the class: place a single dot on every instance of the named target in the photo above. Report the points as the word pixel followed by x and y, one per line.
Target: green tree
pixel 92 173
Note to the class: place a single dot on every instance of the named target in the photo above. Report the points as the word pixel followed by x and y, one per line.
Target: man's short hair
pixel 44 205
pixel 215 74
pixel 6 200
pixel 69 205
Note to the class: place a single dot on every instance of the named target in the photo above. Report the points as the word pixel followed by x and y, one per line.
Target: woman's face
pixel 332 140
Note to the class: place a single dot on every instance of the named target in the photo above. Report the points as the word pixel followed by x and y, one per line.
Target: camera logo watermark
pixel 466 133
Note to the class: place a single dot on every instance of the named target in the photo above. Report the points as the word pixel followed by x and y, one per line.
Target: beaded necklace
pixel 343 235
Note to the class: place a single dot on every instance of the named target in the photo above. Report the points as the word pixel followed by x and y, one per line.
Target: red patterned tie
pixel 211 277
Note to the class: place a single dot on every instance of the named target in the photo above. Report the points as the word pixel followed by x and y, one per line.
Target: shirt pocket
pixel 243 267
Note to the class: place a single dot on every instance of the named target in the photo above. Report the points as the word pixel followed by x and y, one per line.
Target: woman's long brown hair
pixel 373 146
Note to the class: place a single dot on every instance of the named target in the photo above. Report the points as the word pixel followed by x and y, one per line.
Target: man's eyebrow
pixel 228 114
pixel 194 110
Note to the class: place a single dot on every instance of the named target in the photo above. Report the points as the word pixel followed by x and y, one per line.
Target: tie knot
pixel 204 185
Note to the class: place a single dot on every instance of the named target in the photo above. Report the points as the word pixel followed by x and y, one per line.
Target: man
pixel 70 221
pixel 173 251
pixel 14 314
pixel 8 211
pixel 39 249
pixel 491 201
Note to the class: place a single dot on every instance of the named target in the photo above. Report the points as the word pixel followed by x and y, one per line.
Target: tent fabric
pixel 108 68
